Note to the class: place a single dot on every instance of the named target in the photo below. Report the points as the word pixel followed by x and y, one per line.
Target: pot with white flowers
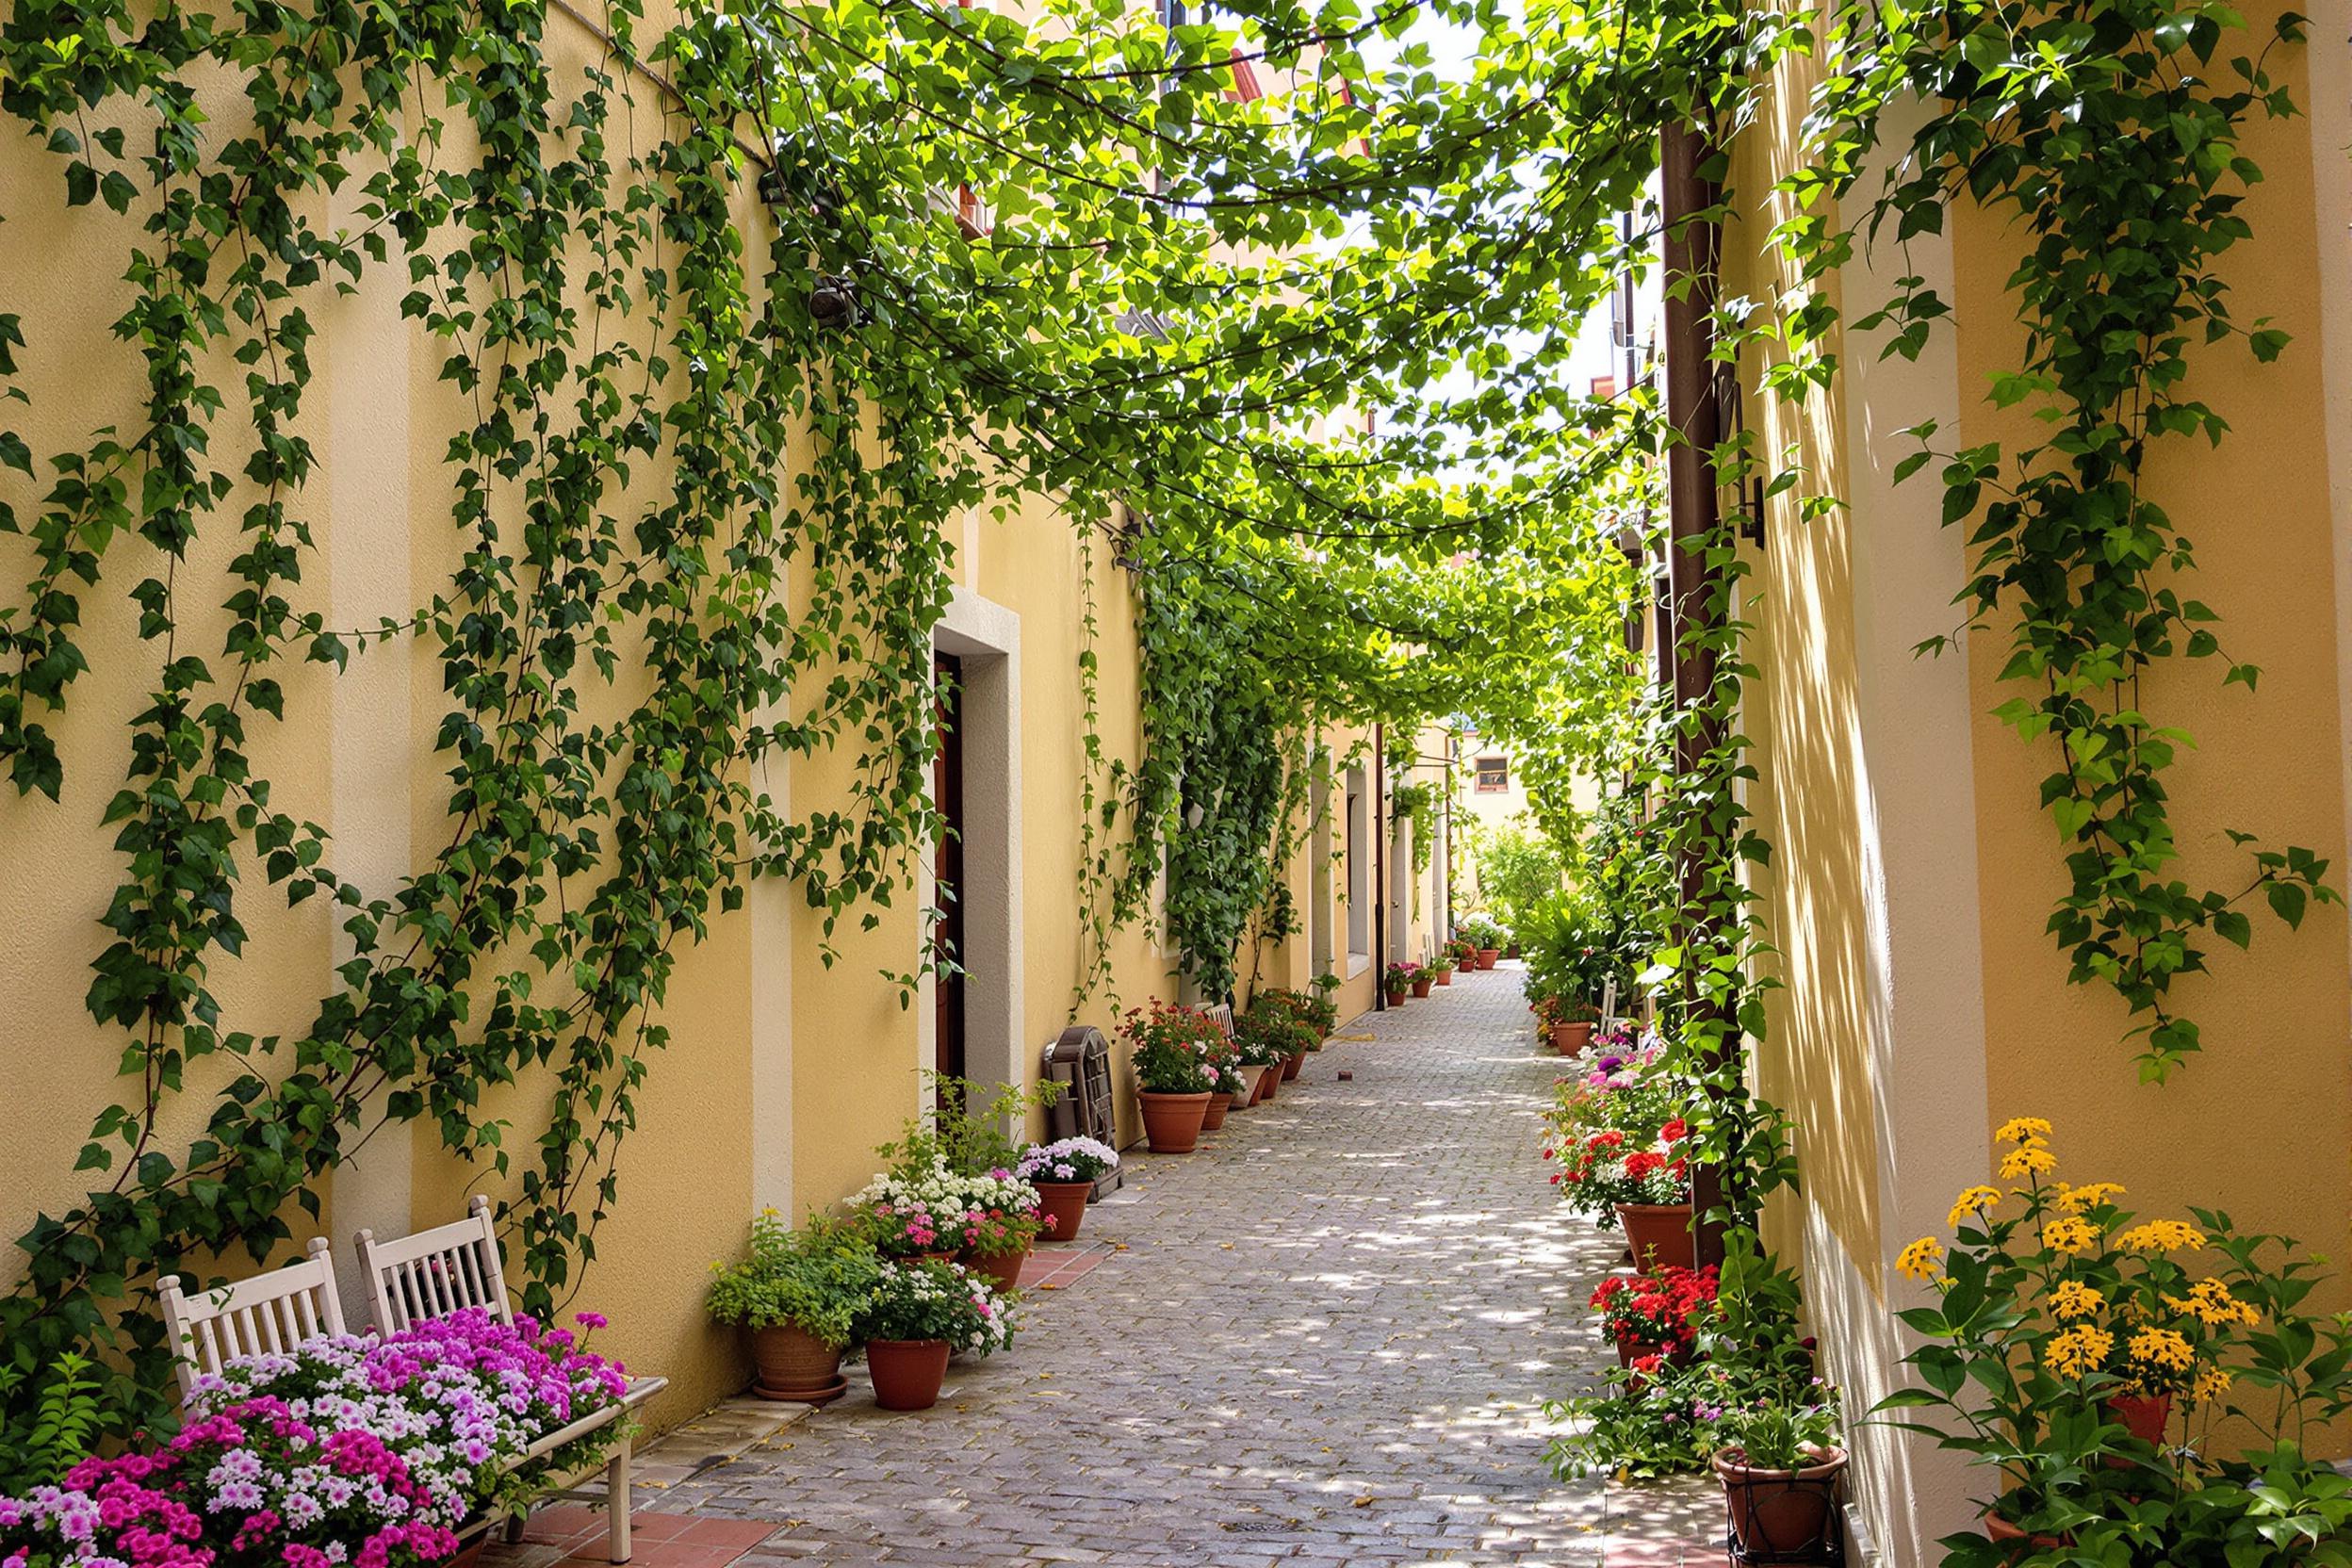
pixel 1780 1473
pixel 920 1315
pixel 799 1294
pixel 1064 1173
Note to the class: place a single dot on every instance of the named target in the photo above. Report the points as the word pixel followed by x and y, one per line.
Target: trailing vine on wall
pixel 2110 131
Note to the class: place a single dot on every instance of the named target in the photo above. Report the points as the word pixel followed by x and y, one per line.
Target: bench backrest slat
pixel 435 1272
pixel 271 1311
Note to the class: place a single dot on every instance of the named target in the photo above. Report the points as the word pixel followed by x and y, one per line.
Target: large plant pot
pixel 1066 1203
pixel 1781 1515
pixel 1292 1063
pixel 907 1372
pixel 1421 986
pixel 1658 1234
pixel 1002 1270
pixel 1444 977
pixel 1570 1039
pixel 1172 1121
pixel 2143 1415
pixel 470 1553
pixel 1213 1118
pixel 794 1363
pixel 1490 957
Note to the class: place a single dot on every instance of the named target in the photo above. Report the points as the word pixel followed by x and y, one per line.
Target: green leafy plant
pixel 818 1279
pixel 1177 1050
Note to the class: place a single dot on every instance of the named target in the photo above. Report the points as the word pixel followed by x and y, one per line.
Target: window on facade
pixel 1359 865
pixel 1494 776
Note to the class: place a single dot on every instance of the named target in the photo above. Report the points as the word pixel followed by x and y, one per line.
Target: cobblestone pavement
pixel 1326 1341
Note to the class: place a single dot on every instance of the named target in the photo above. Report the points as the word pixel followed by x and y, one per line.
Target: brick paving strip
pixel 1323 1340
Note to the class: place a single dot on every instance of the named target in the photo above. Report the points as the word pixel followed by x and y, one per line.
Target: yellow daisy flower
pixel 2161 1235
pixel 2073 1298
pixel 2019 1128
pixel 2030 1158
pixel 2089 1195
pixel 2068 1234
pixel 2080 1349
pixel 2210 1303
pixel 2212 1383
pixel 2162 1348
pixel 1918 1260
pixel 1970 1201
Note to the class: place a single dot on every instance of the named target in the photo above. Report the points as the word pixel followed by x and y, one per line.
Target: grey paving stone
pixel 1328 1340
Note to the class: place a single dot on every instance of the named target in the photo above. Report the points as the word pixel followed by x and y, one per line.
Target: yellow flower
pixel 2073 1298
pixel 2210 1304
pixel 1970 1201
pixel 2086 1197
pixel 2160 1235
pixel 2080 1349
pixel 2019 1128
pixel 1917 1261
pixel 2162 1348
pixel 2069 1234
pixel 2212 1383
pixel 2030 1158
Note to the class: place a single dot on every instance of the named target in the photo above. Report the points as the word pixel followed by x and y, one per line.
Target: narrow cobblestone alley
pixel 1326 1341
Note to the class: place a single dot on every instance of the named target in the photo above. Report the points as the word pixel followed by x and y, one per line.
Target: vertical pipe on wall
pixel 1694 587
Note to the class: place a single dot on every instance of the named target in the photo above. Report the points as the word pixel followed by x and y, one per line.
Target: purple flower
pixel 591 1319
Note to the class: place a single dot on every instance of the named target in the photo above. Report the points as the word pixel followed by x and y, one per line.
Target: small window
pixel 1494 776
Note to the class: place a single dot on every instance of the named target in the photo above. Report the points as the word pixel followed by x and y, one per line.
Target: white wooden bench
pixel 427 1275
pixel 451 1268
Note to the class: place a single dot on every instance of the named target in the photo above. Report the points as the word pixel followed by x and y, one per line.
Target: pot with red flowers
pixel 1653 1317
pixel 1176 1049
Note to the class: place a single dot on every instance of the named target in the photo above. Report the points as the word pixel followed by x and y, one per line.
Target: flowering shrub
pixel 913 1210
pixel 1176 1049
pixel 814 1278
pixel 1608 1169
pixel 936 1300
pixel 346 1449
pixel 1067 1160
pixel 1482 934
pixel 1462 951
pixel 2058 1314
pixel 1397 978
pixel 1314 1008
pixel 1269 1036
pixel 1662 1310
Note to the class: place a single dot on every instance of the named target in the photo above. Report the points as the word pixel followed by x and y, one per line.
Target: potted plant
pixel 1485 936
pixel 1646 1184
pixel 1263 1049
pixel 1423 978
pixel 799 1293
pixel 1780 1468
pixel 1173 1049
pixel 1275 1034
pixel 1231 1083
pixel 921 1314
pixel 1324 1011
pixel 1464 953
pixel 1397 983
pixel 1442 967
pixel 917 1208
pixel 1001 1224
pixel 1064 1173
pixel 2057 1325
pixel 1653 1317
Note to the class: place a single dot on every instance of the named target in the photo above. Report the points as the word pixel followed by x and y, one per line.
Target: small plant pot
pixel 1292 1063
pixel 2003 1533
pixel 1066 1202
pixel 1270 1081
pixel 1444 977
pixel 1571 1040
pixel 1395 999
pixel 907 1372
pixel 1511 952
pixel 1490 957
pixel 1781 1515
pixel 1658 1234
pixel 794 1363
pixel 1211 1120
pixel 1421 986
pixel 2143 1415
pixel 1001 1270
pixel 1172 1121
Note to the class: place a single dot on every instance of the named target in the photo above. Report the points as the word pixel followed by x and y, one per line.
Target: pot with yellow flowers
pixel 2141 1387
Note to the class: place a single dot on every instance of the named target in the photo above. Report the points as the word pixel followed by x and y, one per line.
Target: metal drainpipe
pixel 1693 407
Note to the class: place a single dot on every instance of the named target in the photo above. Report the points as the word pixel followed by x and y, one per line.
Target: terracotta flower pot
pixel 1292 1063
pixel 1445 977
pixel 1066 1203
pixel 1272 1081
pixel 1002 1270
pixel 1172 1121
pixel 1782 1515
pixel 1489 957
pixel 2002 1532
pixel 1658 1233
pixel 794 1363
pixel 1421 986
pixel 1395 999
pixel 2143 1415
pixel 1572 1038
pixel 907 1372
pixel 1211 1119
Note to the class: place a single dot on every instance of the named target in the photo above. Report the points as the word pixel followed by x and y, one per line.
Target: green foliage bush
pixel 817 1279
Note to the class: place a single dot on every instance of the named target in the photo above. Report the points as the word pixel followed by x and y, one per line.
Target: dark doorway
pixel 947 868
